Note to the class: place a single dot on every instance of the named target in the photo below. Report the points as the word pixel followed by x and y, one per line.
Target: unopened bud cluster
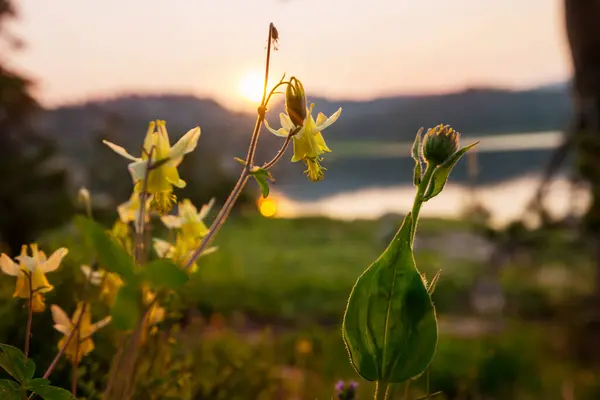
pixel 439 144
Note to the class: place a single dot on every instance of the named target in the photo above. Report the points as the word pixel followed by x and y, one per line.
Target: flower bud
pixel 84 198
pixel 439 144
pixel 295 102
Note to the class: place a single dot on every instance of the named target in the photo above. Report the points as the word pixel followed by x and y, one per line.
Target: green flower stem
pixel 381 390
pixel 406 390
pixel 139 233
pixel 29 315
pixel 243 179
pixel 419 198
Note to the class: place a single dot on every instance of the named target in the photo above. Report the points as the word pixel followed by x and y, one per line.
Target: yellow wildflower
pixel 191 229
pixel 109 282
pixel 81 343
pixel 155 315
pixel 130 210
pixel 189 220
pixel 308 142
pixel 163 174
pixel 32 267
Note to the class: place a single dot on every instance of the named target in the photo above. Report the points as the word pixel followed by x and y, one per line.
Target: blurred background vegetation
pixel 518 305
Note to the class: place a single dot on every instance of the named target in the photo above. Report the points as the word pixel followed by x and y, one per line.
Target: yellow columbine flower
pixel 34 267
pixel 130 210
pixel 191 229
pixel 181 251
pixel 163 176
pixel 155 315
pixel 109 282
pixel 188 219
pixel 308 142
pixel 75 351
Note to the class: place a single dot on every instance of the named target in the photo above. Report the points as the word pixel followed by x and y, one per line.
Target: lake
pixel 369 180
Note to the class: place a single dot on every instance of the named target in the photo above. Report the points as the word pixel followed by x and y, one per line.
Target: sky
pixel 352 49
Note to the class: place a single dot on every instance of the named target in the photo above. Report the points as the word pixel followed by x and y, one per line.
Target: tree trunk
pixel 583 32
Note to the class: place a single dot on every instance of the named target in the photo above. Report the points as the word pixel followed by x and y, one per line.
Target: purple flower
pixel 339 386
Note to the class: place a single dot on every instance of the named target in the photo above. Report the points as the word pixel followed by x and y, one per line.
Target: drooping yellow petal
pixel 22 288
pixel 280 132
pixel 329 121
pixel 61 319
pixel 286 122
pixel 54 261
pixel 119 150
pixel 39 282
pixel 301 148
pixel 321 143
pixel 186 144
pixel 37 303
pixel 8 266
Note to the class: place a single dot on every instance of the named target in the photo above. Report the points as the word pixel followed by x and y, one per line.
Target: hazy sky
pixel 78 49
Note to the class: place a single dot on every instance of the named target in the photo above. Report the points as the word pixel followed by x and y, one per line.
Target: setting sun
pixel 251 86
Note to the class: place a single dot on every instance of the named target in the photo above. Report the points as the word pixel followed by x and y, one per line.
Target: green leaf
pixel 126 311
pixel 110 254
pixel 164 274
pixel 416 155
pixel 416 147
pixel 13 361
pixel 390 327
pixel 417 173
pixel 263 177
pixel 46 391
pixel 442 172
pixel 11 390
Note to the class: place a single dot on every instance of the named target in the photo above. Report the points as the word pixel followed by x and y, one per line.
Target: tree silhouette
pixel 33 195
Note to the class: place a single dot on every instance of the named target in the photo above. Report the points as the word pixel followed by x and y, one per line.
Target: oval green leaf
pixel 110 254
pixel 125 312
pixel 441 174
pixel 11 390
pixel 390 326
pixel 13 361
pixel 46 391
pixel 164 274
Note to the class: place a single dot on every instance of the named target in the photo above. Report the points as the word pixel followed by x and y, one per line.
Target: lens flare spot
pixel 267 207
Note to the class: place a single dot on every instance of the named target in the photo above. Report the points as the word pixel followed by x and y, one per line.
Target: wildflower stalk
pixel 406 390
pixel 29 315
pixel 381 389
pixel 139 233
pixel 75 329
pixel 419 200
pixel 76 365
pixel 282 150
pixel 249 162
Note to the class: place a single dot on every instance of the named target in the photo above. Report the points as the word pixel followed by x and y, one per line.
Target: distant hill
pixel 79 128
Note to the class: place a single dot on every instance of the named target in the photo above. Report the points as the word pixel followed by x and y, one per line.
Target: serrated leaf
pixel 46 391
pixel 390 327
pixel 442 172
pixel 263 177
pixel 110 254
pixel 164 274
pixel 416 147
pixel 11 390
pixel 13 361
pixel 125 311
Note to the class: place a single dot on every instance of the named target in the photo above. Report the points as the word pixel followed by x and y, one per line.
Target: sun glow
pixel 251 86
